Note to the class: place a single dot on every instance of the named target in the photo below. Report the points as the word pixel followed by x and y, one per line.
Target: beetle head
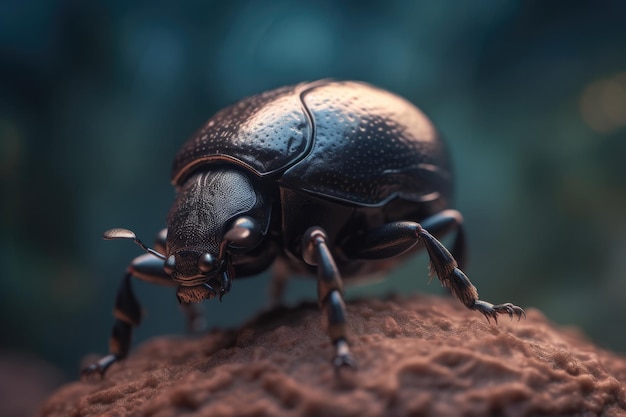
pixel 210 221
pixel 217 216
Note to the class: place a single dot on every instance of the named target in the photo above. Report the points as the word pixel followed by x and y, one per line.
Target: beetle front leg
pixel 396 238
pixel 127 314
pixel 127 311
pixel 329 293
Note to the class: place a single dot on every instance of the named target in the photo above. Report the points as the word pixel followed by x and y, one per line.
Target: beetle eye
pixel 206 263
pixel 169 265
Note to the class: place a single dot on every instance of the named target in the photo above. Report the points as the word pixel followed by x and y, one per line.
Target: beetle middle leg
pixel 329 293
pixel 396 238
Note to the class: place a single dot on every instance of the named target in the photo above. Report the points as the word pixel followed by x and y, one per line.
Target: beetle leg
pixel 396 238
pixel 442 223
pixel 226 282
pixel 278 284
pixel 127 311
pixel 444 265
pixel 127 314
pixel 195 321
pixel 329 293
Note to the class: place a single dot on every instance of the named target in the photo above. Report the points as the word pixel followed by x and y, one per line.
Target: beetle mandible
pixel 336 179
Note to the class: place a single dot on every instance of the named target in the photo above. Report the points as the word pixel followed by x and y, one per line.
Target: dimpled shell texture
pixel 347 141
pixel 265 133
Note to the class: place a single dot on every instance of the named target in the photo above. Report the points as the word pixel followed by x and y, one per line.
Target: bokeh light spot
pixel 603 104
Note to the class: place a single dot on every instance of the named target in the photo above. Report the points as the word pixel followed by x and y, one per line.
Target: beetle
pixel 338 179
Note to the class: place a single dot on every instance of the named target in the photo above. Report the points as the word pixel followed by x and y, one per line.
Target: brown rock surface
pixel 422 356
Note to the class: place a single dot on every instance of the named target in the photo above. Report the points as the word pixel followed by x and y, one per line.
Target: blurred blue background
pixel 96 98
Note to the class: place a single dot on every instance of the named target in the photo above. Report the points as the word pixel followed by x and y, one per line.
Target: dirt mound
pixel 425 356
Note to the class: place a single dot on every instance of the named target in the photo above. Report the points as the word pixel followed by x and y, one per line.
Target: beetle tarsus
pixel 343 358
pixel 100 367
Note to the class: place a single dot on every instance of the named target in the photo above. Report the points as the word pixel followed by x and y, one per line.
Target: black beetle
pixel 340 179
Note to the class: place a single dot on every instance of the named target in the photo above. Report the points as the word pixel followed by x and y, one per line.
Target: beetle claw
pixel 98 368
pixel 344 361
pixel 343 358
pixel 511 310
pixel 90 371
pixel 491 311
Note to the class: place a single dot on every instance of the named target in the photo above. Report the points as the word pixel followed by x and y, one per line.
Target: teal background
pixel 96 98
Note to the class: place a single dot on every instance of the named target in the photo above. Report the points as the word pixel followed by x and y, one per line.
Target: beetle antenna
pixel 118 233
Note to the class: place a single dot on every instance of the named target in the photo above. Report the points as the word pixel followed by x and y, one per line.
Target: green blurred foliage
pixel 96 97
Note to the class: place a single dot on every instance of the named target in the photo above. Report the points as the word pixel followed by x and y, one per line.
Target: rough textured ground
pixel 423 356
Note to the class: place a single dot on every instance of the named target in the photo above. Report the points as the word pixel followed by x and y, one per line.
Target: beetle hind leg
pixel 396 238
pixel 443 264
pixel 329 294
pixel 444 222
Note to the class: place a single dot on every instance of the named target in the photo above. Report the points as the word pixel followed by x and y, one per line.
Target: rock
pixel 422 356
